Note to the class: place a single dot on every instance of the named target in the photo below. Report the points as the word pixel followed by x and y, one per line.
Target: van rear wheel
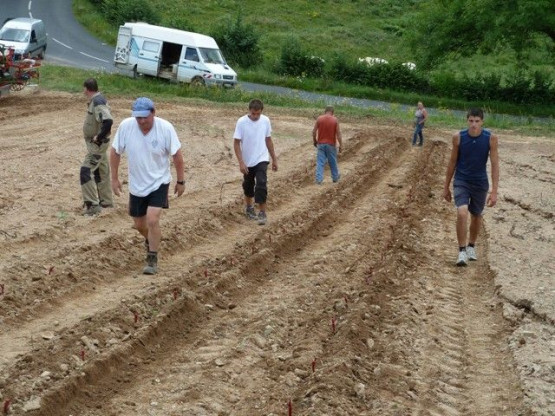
pixel 41 53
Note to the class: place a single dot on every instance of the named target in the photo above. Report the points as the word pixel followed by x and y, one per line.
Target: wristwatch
pixel 181 182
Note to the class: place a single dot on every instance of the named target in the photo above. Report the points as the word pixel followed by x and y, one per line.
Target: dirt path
pixel 345 303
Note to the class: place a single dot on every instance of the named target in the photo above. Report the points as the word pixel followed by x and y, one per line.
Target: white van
pixel 26 36
pixel 172 54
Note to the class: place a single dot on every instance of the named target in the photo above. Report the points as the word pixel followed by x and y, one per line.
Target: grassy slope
pixel 356 27
pixel 353 27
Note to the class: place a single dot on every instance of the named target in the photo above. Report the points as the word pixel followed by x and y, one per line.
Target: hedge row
pixel 518 86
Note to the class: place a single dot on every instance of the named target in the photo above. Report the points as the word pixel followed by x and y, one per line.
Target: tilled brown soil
pixel 346 303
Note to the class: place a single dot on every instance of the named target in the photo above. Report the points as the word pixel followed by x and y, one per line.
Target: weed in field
pixel 62 216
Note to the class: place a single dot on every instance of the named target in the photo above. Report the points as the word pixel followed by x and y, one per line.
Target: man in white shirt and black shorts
pixel 149 142
pixel 253 146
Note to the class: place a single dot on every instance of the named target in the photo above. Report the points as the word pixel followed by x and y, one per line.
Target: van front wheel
pixel 197 82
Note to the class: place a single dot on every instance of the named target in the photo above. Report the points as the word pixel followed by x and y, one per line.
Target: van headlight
pixel 217 76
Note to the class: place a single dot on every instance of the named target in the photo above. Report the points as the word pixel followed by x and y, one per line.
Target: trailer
pixel 16 74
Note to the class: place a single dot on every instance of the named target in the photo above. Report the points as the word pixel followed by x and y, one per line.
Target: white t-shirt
pixel 253 139
pixel 148 155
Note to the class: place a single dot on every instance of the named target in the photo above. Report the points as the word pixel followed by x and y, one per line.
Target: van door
pixel 41 38
pixel 123 45
pixel 35 48
pixel 149 57
pixel 189 65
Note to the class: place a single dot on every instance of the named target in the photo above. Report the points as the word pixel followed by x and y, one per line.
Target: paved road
pixel 68 42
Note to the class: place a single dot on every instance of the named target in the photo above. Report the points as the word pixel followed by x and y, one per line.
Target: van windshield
pixel 212 56
pixel 15 35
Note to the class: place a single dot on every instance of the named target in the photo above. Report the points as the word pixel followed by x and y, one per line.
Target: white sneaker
pixel 471 253
pixel 462 260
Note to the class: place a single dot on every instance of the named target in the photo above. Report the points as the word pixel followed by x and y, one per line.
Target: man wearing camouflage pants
pixel 95 170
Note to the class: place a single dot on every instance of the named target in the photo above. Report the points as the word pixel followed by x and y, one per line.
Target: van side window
pixel 191 54
pixel 33 36
pixel 150 46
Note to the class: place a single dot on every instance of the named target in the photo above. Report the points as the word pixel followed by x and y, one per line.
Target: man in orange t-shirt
pixel 325 135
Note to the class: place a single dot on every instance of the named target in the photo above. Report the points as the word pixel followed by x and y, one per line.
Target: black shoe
pixel 250 213
pixel 262 218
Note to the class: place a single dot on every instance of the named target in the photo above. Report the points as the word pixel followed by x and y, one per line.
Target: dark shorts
pixel 255 183
pixel 473 194
pixel 139 204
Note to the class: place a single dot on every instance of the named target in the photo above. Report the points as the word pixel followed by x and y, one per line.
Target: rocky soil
pixel 347 302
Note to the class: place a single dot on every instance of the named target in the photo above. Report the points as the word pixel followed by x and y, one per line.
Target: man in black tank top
pixel 469 156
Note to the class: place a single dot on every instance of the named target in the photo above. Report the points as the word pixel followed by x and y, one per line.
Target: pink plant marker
pixel 7 406
pixel 369 277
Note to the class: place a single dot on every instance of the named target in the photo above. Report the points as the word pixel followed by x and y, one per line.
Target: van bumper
pixel 218 82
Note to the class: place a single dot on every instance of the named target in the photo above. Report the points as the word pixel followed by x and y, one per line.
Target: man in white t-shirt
pixel 149 142
pixel 252 142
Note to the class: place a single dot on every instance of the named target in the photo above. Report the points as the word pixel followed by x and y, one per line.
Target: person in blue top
pixel 469 157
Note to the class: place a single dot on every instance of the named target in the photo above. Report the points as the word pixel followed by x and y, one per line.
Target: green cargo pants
pixel 95 175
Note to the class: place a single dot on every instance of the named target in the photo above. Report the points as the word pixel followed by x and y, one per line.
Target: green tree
pixel 447 28
pixel 121 11
pixel 295 61
pixel 239 42
pixel 519 21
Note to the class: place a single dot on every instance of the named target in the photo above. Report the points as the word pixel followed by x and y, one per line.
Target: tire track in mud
pixel 465 366
pixel 474 369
